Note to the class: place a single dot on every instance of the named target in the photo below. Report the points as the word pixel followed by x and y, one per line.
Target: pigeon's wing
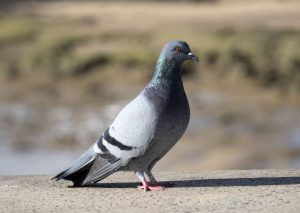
pixel 129 136
pixel 132 131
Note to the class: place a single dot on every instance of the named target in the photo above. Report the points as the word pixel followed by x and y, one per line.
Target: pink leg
pixel 146 186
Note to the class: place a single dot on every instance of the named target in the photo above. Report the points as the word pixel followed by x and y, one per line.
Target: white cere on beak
pixel 190 54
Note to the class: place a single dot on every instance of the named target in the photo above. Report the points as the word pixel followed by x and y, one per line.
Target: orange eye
pixel 178 49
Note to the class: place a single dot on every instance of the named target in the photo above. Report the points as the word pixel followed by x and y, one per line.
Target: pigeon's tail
pixel 90 168
pixel 80 169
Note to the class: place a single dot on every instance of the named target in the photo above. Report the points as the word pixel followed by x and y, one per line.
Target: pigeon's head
pixel 179 50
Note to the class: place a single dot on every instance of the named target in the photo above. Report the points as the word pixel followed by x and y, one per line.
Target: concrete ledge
pixel 203 191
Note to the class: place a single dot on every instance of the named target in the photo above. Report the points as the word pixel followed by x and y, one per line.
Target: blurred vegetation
pixel 33 46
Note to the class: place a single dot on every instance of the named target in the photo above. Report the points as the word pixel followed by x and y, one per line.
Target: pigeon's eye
pixel 178 49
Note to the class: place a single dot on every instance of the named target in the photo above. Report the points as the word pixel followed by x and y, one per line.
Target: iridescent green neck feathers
pixel 167 72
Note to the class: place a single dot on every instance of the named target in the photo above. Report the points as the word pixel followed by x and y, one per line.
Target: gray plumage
pixel 145 130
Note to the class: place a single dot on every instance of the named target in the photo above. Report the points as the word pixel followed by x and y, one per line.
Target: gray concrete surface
pixel 203 191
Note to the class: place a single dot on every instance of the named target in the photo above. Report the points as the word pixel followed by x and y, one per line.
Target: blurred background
pixel 68 67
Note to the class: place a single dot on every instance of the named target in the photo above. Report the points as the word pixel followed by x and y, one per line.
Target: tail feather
pixel 60 175
pixel 79 176
pixel 90 168
pixel 80 168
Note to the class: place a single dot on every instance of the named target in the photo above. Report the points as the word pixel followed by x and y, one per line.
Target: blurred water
pixel 33 161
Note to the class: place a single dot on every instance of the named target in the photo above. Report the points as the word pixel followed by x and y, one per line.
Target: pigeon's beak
pixel 193 57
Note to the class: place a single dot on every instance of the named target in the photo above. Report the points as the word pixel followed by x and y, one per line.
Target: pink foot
pixel 148 187
pixel 151 188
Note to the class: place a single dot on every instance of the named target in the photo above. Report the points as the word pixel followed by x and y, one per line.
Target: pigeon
pixel 144 130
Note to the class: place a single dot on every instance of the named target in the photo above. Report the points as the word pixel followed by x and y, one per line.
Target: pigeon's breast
pixel 174 118
pixel 172 109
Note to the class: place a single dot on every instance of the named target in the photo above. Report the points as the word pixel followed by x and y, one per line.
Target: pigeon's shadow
pixel 224 182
